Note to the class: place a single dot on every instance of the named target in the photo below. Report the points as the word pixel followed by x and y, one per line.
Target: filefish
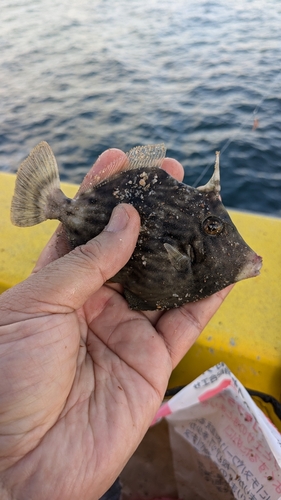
pixel 188 247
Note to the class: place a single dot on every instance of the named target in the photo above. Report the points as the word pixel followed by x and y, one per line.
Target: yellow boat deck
pixel 246 331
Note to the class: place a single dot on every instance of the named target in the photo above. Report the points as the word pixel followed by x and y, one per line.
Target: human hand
pixel 82 375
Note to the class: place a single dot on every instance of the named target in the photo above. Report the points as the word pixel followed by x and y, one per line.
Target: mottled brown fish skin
pixel 188 247
pixel 174 218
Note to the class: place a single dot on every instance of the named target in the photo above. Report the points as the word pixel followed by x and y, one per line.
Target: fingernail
pixel 118 220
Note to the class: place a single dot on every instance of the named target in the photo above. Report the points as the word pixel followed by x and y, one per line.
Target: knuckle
pixel 92 255
pixel 191 319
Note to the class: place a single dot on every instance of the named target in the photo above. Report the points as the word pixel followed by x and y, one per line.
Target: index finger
pixel 181 327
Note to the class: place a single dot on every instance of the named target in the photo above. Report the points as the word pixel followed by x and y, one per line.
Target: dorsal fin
pixel 137 158
pixel 214 183
pixel 151 155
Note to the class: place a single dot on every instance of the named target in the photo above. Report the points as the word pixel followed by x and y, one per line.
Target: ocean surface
pixel 199 75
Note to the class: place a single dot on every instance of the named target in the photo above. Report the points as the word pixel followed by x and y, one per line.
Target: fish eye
pixel 213 225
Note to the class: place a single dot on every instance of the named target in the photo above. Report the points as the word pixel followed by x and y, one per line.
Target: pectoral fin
pixel 180 261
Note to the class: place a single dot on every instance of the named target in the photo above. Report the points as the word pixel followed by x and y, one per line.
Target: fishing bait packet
pixel 208 442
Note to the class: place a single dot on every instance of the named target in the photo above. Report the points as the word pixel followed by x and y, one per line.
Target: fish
pixel 188 247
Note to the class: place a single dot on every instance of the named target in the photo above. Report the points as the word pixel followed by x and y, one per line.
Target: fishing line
pixel 231 139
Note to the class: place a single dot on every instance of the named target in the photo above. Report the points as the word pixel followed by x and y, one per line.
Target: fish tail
pixel 37 185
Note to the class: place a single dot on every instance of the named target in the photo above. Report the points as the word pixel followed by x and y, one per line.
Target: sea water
pixel 199 75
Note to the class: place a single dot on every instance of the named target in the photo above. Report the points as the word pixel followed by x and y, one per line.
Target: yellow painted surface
pixel 245 333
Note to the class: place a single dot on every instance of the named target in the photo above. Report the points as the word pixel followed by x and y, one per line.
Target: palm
pixel 94 389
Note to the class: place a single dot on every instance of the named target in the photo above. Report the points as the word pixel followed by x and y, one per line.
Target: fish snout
pixel 251 268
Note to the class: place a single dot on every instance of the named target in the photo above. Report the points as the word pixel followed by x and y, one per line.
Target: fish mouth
pixel 251 269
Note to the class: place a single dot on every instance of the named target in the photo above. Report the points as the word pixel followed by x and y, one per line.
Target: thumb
pixel 69 281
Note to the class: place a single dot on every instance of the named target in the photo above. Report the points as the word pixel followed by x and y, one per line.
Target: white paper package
pixel 209 442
